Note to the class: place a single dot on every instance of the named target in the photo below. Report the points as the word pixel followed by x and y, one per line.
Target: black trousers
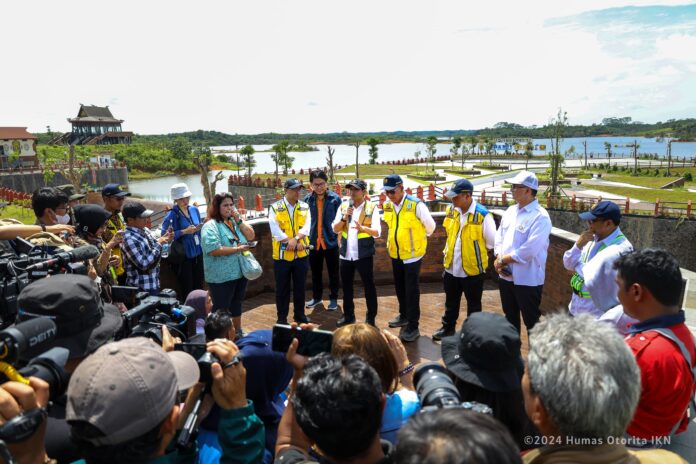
pixel 471 286
pixel 228 296
pixel 407 290
pixel 366 271
pixel 316 262
pixel 190 276
pixel 518 299
pixel 287 273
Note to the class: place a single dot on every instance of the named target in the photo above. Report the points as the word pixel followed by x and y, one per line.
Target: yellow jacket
pixel 290 227
pixel 406 237
pixel 474 251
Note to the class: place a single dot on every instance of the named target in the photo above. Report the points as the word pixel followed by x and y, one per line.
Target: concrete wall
pixel 28 182
pixel 672 234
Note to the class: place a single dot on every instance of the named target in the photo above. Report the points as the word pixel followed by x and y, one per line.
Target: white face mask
pixel 64 219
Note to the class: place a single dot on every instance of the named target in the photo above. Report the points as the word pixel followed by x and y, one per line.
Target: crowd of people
pixel 605 381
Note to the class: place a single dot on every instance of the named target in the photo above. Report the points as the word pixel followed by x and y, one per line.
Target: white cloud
pixel 317 66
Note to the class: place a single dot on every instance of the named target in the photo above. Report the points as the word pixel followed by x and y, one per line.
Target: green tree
pixel 635 145
pixel 430 144
pixel 356 144
pixel 456 145
pixel 473 141
pixel 373 151
pixel 607 147
pixel 279 151
pixel 558 126
pixel 528 153
pixel 180 148
pixel 488 144
pixel 247 153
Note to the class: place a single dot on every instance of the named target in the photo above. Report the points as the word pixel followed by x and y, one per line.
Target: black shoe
pixel 443 332
pixel 398 321
pixel 409 335
pixel 283 321
pixel 302 320
pixel 241 333
pixel 371 322
pixel 343 321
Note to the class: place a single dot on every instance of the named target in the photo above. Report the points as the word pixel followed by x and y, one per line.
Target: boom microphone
pixel 78 254
pixel 25 336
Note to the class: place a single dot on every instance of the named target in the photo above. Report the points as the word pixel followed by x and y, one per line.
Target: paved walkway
pixel 260 313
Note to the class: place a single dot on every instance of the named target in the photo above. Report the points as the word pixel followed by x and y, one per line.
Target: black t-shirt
pixel 294 456
pixel 57 441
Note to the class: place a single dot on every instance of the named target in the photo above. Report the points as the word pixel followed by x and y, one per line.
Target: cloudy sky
pixel 325 66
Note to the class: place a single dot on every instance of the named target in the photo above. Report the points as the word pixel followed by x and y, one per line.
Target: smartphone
pixel 194 349
pixel 253 243
pixel 312 342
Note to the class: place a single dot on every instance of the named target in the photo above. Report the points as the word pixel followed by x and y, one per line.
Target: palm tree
pixel 430 143
pixel 248 156
pixel 528 152
pixel 607 147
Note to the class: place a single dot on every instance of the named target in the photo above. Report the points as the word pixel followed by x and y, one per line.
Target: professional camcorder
pixel 436 390
pixel 150 313
pixel 29 263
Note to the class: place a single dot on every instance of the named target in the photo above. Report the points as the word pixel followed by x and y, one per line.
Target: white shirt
pixel 277 232
pixel 352 243
pixel 423 214
pixel 524 235
pixel 488 235
pixel 598 272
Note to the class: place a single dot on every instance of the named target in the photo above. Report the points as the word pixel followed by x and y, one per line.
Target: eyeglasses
pixel 390 192
pixel 322 184
pixel 516 186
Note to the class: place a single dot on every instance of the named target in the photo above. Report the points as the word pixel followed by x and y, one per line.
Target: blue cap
pixel 392 181
pixel 603 210
pixel 460 186
pixel 114 190
pixel 292 184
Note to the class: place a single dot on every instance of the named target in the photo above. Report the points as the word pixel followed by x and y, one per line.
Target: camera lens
pixel 435 387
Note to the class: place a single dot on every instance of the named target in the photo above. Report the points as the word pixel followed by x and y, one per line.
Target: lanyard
pixel 602 246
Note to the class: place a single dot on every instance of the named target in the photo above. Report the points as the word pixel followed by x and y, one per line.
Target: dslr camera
pixel 436 390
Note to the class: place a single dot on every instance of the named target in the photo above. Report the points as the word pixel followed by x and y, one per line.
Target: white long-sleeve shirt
pixel 598 272
pixel 488 236
pixel 352 244
pixel 423 214
pixel 524 235
pixel 277 232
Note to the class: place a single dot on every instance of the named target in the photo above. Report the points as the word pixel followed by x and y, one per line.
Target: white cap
pixel 180 191
pixel 526 178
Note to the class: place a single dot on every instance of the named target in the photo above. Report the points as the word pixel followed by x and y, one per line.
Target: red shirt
pixel 667 384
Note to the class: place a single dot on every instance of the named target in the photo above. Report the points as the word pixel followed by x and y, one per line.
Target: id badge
pixel 196 240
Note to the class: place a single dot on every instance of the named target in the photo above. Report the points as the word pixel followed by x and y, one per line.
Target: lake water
pixel 158 189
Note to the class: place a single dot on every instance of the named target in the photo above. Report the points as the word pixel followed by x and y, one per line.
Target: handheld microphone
pixel 78 254
pixel 25 336
pixel 350 205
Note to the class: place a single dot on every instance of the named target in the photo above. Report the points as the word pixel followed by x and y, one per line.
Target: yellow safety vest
pixel 406 238
pixel 366 242
pixel 474 251
pixel 111 228
pixel 290 227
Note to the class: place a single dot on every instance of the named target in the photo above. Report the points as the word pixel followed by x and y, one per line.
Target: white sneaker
pixel 312 303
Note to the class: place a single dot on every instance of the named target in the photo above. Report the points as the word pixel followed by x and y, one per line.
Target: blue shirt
pixel 401 405
pixel 179 222
pixel 219 269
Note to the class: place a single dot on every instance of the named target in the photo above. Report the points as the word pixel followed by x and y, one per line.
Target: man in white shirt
pixel 592 258
pixel 357 220
pixel 410 224
pixel 290 220
pixel 521 247
pixel 470 234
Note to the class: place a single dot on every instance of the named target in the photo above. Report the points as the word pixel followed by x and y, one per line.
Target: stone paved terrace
pixel 260 313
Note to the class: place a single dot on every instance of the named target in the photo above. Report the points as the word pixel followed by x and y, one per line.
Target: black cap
pixel 114 190
pixel 83 322
pixel 486 352
pixel 90 217
pixel 603 210
pixel 69 190
pixel 392 181
pixel 357 183
pixel 292 184
pixel 136 210
pixel 460 186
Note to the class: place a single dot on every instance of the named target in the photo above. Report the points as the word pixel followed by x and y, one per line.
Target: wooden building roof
pixel 90 113
pixel 15 133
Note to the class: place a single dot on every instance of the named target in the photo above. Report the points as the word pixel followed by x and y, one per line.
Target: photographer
pixel 141 250
pixel 268 376
pixel 337 404
pixel 83 322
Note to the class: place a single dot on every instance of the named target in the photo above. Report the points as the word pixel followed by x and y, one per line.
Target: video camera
pixel 436 390
pixel 29 263
pixel 150 313
pixel 18 343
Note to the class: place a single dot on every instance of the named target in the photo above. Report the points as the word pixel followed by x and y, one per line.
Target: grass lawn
pixel 643 181
pixel 26 215
pixel 381 169
pixel 677 195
